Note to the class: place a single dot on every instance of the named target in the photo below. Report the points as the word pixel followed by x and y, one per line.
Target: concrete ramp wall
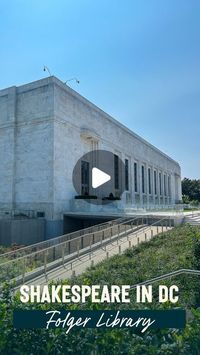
pixel 22 231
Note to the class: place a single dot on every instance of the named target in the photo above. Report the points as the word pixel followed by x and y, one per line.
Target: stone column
pixel 173 189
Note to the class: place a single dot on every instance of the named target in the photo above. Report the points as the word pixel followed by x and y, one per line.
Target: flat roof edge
pixel 112 119
pixel 55 80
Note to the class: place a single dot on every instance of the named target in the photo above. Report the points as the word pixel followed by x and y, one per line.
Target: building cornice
pixel 70 91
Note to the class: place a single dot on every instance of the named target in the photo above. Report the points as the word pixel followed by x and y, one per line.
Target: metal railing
pixel 28 266
pixel 167 276
pixel 111 247
pixel 14 254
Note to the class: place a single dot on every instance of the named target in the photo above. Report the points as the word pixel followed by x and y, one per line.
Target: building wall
pixel 22 231
pixel 74 114
pixel 7 146
pixel 26 147
pixel 45 128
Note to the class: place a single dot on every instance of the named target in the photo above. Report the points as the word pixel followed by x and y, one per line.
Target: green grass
pixel 175 249
pixel 4 249
pixel 165 253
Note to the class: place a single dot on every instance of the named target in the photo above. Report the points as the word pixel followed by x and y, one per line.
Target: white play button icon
pixel 99 177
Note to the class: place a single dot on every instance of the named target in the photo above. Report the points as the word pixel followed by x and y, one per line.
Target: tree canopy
pixel 191 190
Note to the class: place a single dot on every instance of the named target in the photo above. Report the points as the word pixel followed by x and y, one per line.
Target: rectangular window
pixel 126 174
pixel 155 182
pixel 143 187
pixel 149 180
pixel 160 183
pixel 84 177
pixel 135 177
pixel 116 171
pixel 169 186
pixel 165 186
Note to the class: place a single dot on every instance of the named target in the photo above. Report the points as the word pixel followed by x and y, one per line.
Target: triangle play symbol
pixel 99 177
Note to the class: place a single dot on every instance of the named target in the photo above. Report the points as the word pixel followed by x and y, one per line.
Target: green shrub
pixel 178 248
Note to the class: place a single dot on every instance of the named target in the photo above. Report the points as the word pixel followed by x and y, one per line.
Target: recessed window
pixel 116 171
pixel 149 180
pixel 160 183
pixel 143 187
pixel 126 174
pixel 84 177
pixel 135 177
pixel 169 186
pixel 165 186
pixel 155 182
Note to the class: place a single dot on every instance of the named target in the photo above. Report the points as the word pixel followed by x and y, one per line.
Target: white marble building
pixel 45 127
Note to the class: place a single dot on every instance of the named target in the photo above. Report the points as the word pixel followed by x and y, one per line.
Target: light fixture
pixel 75 79
pixel 47 69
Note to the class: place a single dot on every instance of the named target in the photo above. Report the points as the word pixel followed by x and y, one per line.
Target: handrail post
pixel 78 247
pixel 90 249
pixel 63 255
pixel 24 271
pixel 54 253
pixel 68 247
pixel 45 262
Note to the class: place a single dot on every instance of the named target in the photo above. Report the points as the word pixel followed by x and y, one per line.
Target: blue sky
pixel 139 60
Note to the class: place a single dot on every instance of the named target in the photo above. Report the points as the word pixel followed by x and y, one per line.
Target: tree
pixel 191 190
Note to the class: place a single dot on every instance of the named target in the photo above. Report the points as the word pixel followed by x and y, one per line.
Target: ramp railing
pixel 14 254
pixel 167 276
pixel 39 261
